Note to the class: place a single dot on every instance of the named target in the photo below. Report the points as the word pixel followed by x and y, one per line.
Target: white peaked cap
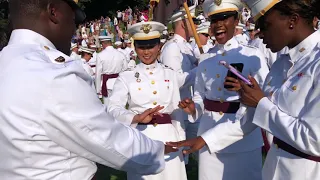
pixel 146 30
pixel 251 27
pixel 212 7
pixel 260 7
pixel 203 28
pixel 87 50
pixel 118 43
pixel 182 14
pixel 240 26
pixel 73 45
pixel 105 38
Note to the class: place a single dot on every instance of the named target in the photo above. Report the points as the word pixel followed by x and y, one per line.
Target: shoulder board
pixel 166 67
pixel 249 46
pixel 55 56
pixel 130 68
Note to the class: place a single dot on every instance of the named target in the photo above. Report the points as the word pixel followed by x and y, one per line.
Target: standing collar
pixel 304 47
pixel 109 47
pixel 148 67
pixel 179 38
pixel 25 36
pixel 231 44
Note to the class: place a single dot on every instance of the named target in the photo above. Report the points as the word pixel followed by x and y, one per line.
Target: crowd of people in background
pixel 115 26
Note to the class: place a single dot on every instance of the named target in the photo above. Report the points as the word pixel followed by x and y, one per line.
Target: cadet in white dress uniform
pixel 110 63
pixel 178 55
pixel 52 124
pixel 203 32
pixel 214 104
pixel 288 106
pixel 93 61
pixel 86 55
pixel 74 52
pixel 239 34
pixel 151 85
pixel 130 54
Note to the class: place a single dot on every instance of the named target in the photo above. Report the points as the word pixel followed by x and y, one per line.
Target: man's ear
pixel 236 22
pixel 52 13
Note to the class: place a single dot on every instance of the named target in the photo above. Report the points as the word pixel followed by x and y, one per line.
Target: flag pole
pixel 195 34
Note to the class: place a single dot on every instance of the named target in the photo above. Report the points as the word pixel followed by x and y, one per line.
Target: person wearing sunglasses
pixel 203 33
pixel 152 92
pixel 288 104
pixel 178 54
pixel 214 101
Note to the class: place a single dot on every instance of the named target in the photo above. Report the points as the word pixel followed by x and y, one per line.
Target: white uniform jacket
pixel 109 61
pixel 290 111
pixel 53 126
pixel 209 85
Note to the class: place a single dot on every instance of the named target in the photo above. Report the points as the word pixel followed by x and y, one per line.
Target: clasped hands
pixel 249 95
pixel 146 117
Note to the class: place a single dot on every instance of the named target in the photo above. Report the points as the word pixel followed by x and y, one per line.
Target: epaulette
pixel 249 46
pixel 55 56
pixel 130 68
pixel 166 67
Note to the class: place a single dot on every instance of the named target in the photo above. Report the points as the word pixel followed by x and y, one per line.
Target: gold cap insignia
pixel 146 28
pixel 218 2
pixel 60 59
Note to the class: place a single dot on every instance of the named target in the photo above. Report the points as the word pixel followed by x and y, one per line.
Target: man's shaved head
pixel 21 9
pixel 54 19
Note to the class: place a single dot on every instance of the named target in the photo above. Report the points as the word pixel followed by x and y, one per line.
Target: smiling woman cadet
pixel 288 106
pixel 152 92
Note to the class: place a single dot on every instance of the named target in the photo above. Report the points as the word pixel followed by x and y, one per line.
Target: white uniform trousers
pixel 175 168
pixel 230 166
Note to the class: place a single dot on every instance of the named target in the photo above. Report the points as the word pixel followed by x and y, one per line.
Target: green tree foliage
pixel 4 30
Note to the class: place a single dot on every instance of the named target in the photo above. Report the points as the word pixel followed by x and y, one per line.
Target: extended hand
pixel 195 144
pixel 250 96
pixel 188 106
pixel 147 115
pixel 169 149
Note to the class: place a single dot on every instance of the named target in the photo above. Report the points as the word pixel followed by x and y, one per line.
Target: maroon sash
pixel 217 106
pixel 288 148
pixel 266 146
pixel 166 119
pixel 105 78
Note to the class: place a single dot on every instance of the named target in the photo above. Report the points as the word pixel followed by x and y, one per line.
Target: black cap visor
pixel 147 44
pixel 222 16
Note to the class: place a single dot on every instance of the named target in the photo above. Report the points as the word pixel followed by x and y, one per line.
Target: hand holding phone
pixel 233 72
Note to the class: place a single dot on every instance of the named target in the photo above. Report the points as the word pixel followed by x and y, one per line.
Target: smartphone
pixel 235 72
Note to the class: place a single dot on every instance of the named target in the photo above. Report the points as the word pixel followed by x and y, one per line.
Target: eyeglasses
pixel 206 35
pixel 222 16
pixel 196 21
